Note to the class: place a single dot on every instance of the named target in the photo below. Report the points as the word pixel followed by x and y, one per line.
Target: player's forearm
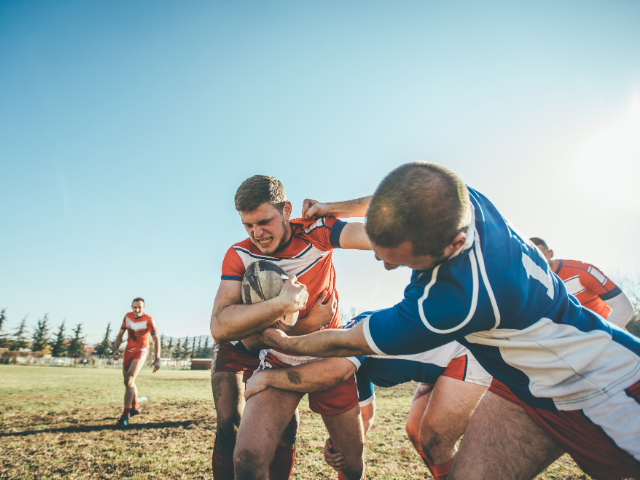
pixel 235 322
pixel 350 208
pixel 157 346
pixel 327 343
pixel 307 378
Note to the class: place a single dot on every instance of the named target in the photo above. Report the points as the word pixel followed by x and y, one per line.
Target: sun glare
pixel 609 165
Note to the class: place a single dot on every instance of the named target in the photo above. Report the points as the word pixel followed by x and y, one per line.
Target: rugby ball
pixel 263 281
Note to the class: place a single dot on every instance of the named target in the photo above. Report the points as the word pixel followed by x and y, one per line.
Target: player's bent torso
pixel 307 254
pixel 498 297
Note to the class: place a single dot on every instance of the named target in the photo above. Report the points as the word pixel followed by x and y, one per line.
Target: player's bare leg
pixel 130 376
pixel 266 419
pixel 347 436
pixel 228 397
pixel 450 407
pixel 416 413
pixel 502 443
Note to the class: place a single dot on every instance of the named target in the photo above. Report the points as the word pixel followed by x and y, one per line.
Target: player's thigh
pixel 450 407
pixel 503 443
pixel 416 411
pixel 265 417
pixel 228 395
pixel 347 434
pixel 134 368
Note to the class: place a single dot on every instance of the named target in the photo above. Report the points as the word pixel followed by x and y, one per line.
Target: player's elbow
pixel 219 333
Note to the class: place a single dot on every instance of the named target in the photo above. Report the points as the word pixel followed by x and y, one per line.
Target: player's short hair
pixel 138 299
pixel 259 189
pixel 421 202
pixel 539 242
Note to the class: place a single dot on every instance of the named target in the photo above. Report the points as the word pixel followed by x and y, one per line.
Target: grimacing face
pixel 138 308
pixel 268 229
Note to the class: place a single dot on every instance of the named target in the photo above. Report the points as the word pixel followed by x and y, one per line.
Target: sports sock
pixel 126 412
pixel 282 464
pixel 135 405
pixel 222 466
pixel 441 471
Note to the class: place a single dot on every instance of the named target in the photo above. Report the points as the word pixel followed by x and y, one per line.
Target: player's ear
pixel 287 209
pixel 458 241
pixel 551 253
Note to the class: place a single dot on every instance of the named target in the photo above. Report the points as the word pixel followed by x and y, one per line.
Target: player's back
pixel 588 284
pixel 138 330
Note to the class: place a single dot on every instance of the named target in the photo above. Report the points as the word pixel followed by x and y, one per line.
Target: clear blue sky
pixel 126 127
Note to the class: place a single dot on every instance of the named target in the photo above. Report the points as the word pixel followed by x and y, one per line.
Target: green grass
pixel 57 422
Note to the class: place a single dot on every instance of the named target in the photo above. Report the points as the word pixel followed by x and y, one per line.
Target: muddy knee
pixel 249 464
pixel 226 433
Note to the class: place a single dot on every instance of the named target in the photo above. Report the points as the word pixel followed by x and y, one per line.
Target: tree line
pixel 39 340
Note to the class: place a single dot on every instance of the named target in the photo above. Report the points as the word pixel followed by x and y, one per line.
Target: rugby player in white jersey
pixel 564 379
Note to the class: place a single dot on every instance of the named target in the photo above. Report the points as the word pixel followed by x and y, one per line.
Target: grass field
pixel 57 422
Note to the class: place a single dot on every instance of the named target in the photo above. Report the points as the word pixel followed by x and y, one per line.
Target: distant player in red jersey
pixel 138 325
pixel 303 249
pixel 593 289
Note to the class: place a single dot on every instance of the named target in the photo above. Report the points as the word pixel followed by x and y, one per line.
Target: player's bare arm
pixel 307 378
pixel 116 344
pixel 327 343
pixel 349 208
pixel 156 348
pixel 231 320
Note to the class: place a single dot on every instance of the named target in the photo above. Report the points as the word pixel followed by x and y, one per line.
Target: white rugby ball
pixel 263 281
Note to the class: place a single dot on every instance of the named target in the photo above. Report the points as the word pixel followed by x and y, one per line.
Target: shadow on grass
pixel 100 428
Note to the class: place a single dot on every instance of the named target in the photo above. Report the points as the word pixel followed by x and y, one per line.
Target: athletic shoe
pixel 133 413
pixel 123 422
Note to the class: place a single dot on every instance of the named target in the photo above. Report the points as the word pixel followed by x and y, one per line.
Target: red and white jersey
pixel 308 254
pixel 588 284
pixel 138 330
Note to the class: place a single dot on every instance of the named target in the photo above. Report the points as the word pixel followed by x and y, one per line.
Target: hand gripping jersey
pixel 588 284
pixel 307 254
pixel 138 330
pixel 498 297
pixel 452 360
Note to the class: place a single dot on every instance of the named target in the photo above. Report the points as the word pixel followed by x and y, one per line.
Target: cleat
pixel 133 412
pixel 123 422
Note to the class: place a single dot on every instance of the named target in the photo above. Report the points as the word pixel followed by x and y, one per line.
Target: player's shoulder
pixel 577 264
pixel 306 226
pixel 245 244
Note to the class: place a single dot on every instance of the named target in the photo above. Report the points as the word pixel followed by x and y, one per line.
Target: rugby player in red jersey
pixel 303 249
pixel 593 289
pixel 138 325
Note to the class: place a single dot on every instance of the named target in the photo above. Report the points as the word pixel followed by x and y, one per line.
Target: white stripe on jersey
pixel 597 275
pixel 617 417
pixel 573 285
pixel 297 265
pixel 546 352
pixel 136 325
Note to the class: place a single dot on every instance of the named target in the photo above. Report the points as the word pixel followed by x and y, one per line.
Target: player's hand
pixel 323 311
pixel 255 384
pixel 335 460
pixel 294 294
pixel 311 208
pixel 115 355
pixel 156 365
pixel 274 337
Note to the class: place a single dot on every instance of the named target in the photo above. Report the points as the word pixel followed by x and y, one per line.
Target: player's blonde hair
pixel 421 202
pixel 259 189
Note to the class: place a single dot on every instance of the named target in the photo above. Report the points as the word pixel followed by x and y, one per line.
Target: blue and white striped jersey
pixel 498 297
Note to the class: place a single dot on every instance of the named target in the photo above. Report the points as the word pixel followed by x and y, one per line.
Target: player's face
pixel 546 253
pixel 138 308
pixel 402 256
pixel 267 227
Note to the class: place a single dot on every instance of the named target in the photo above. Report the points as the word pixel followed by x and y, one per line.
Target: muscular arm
pixel 621 310
pixel 349 208
pixel 156 346
pixel 231 320
pixel 307 378
pixel 326 343
pixel 354 237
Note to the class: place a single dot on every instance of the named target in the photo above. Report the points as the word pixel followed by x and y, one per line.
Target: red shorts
pixel 595 436
pixel 234 359
pixel 333 401
pixel 131 354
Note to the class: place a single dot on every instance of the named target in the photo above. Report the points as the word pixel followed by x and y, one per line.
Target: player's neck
pixel 288 236
pixel 555 265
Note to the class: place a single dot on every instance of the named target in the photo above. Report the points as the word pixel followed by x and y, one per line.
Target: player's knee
pixel 129 382
pixel 413 432
pixel 249 464
pixel 430 440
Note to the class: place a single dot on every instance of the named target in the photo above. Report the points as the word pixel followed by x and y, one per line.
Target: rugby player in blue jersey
pixel 564 379
pixel 451 383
